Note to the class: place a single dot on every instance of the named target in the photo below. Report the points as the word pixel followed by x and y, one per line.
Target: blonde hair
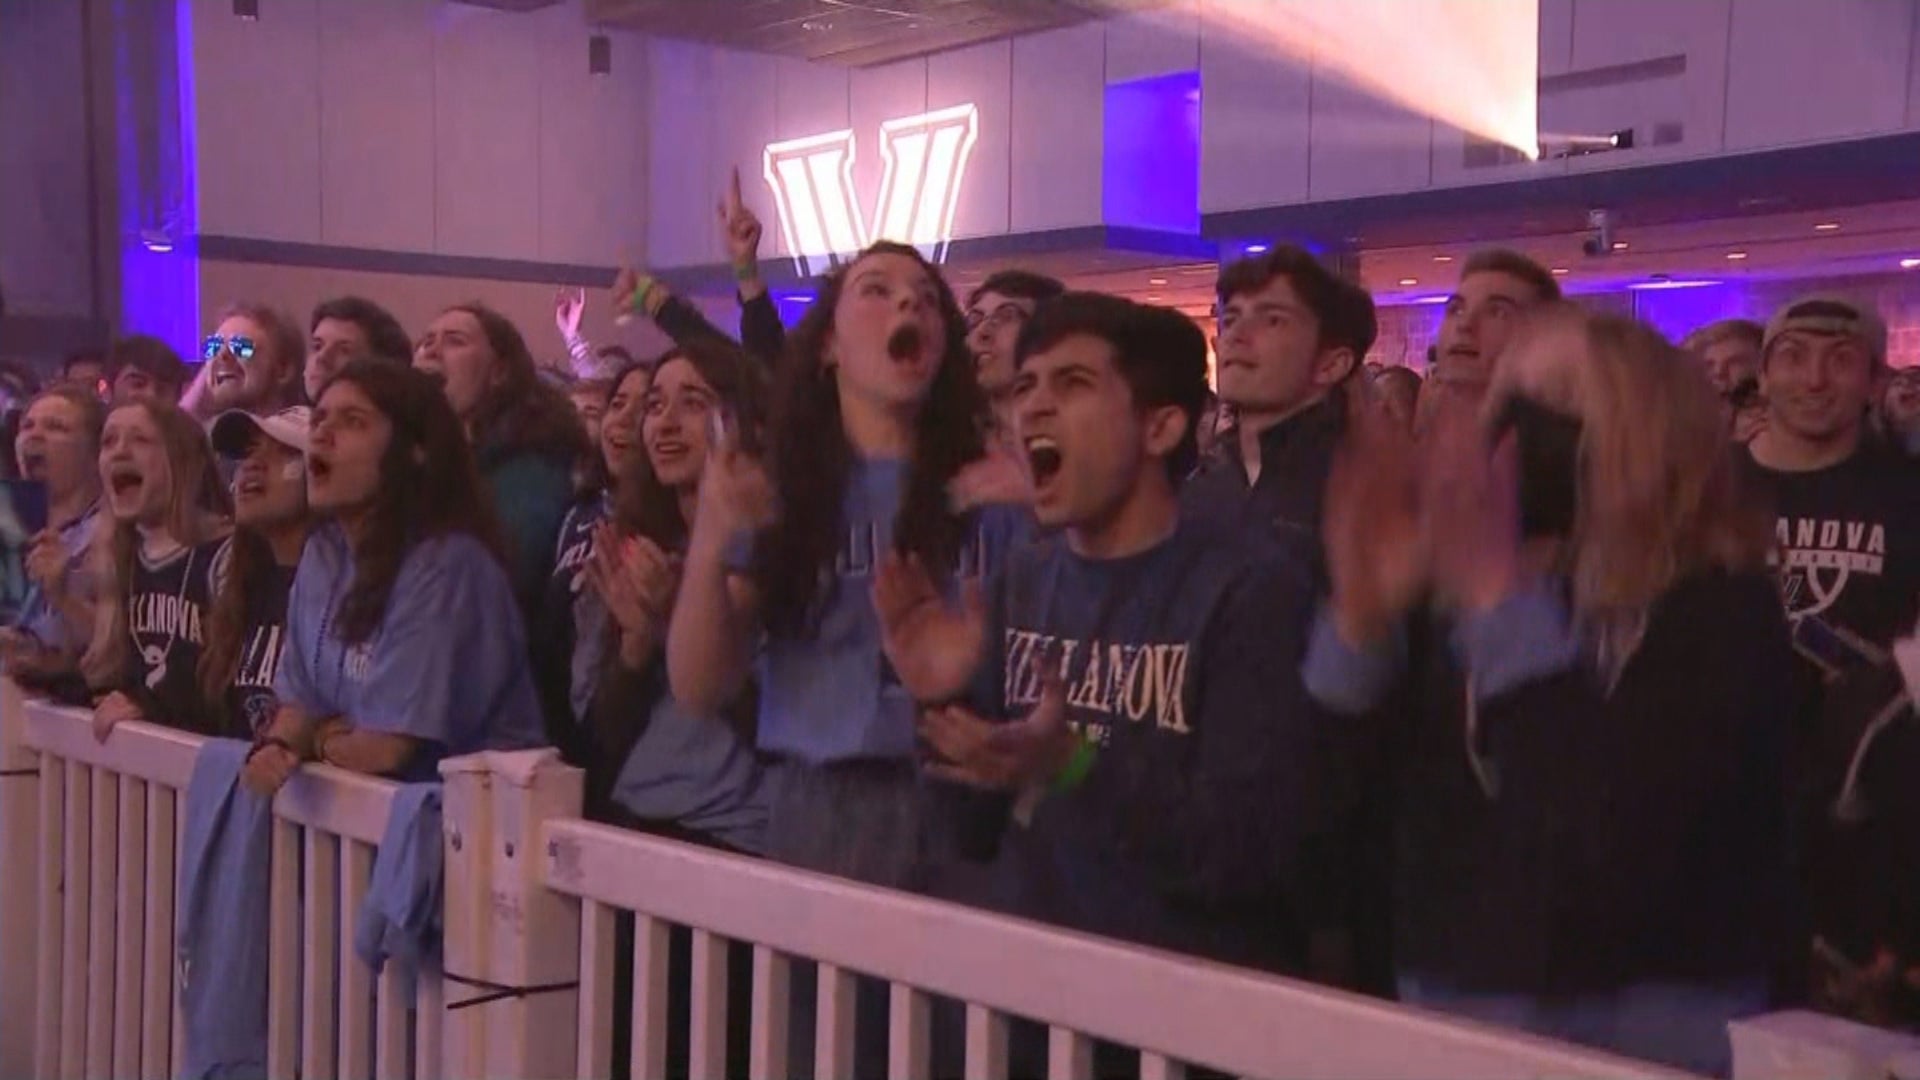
pixel 196 513
pixel 1660 495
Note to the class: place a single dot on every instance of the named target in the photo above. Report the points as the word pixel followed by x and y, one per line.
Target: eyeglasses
pixel 240 347
pixel 1004 315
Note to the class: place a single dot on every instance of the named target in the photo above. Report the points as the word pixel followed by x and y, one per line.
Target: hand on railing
pixel 116 708
pixel 269 766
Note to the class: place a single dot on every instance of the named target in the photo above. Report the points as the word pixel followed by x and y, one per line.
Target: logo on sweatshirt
pixel 1818 557
pixel 925 158
pixel 1105 681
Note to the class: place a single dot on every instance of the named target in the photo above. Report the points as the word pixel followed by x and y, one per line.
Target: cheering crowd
pixel 1567 688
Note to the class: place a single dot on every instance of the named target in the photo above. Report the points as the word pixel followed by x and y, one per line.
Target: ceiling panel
pixel 852 33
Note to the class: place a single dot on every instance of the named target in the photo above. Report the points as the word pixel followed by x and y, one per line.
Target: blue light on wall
pixel 153 117
pixel 1151 169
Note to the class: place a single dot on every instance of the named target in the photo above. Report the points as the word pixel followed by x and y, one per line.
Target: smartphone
pixel 721 433
pixel 23 504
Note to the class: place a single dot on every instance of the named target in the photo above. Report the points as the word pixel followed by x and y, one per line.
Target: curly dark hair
pixel 520 412
pixel 429 487
pixel 642 505
pixel 811 458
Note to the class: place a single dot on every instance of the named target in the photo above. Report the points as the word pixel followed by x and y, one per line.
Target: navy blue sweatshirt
pixel 1195 829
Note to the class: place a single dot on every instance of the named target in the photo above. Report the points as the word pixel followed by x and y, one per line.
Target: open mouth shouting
pixel 126 488
pixel 1043 460
pixel 907 343
pixel 319 470
pixel 33 464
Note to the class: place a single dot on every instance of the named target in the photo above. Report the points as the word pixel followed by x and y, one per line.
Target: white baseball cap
pixel 234 429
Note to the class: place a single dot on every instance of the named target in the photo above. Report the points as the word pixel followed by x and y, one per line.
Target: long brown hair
pixel 197 511
pixel 642 505
pixel 429 487
pixel 519 412
pixel 247 569
pixel 812 460
pixel 1661 497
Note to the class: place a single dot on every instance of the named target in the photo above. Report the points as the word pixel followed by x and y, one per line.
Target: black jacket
pixel 1295 457
pixel 1635 834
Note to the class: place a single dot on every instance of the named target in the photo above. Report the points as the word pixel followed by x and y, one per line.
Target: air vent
pixel 1668 132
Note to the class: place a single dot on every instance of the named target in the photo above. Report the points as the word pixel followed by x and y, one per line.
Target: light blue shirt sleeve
pixel 293 681
pixel 1527 636
pixel 1345 679
pixel 451 660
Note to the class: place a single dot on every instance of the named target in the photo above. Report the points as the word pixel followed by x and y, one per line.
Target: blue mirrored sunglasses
pixel 241 347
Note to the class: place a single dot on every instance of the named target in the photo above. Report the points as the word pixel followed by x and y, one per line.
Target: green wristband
pixel 1077 768
pixel 745 272
pixel 643 287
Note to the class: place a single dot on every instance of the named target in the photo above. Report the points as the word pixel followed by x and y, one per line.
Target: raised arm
pixel 711 635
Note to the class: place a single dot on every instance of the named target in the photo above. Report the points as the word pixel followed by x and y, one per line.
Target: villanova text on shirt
pixel 161 613
pixel 1132 681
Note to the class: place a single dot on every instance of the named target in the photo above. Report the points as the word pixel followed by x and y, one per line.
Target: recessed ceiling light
pixel 1560 271
pixel 1409 281
pixel 1826 226
pixel 1156 281
pixel 1619 245
pixel 1257 249
pixel 1443 258
pixel 1153 298
pixel 1736 256
pixel 1908 264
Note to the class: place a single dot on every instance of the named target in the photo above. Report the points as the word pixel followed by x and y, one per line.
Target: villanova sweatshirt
pixel 1200 825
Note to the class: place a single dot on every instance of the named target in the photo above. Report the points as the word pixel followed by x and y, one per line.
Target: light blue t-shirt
pixel 695 772
pixel 447 666
pixel 831 695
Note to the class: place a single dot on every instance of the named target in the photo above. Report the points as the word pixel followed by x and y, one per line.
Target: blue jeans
pixel 1675 1023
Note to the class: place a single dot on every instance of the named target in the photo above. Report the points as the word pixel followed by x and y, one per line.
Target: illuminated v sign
pixel 925 157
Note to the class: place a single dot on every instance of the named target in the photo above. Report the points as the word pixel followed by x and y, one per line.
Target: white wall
pixel 1036 163
pixel 419 126
pixel 1758 74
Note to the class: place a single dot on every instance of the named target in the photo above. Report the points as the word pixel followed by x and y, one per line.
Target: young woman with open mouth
pixel 169 516
pixel 874 412
pixel 253 574
pixel 525 434
pixel 566 657
pixel 403 642
pixel 59 446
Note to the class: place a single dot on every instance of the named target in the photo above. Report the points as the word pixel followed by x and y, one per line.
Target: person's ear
pixel 1166 427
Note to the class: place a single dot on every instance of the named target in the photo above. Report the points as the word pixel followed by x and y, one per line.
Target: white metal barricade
pixel 90 836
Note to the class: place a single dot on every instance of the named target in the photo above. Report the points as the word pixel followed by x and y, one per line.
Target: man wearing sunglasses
pixel 251 362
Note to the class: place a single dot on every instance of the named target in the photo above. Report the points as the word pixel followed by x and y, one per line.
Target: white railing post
pixel 19 885
pixel 503 928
